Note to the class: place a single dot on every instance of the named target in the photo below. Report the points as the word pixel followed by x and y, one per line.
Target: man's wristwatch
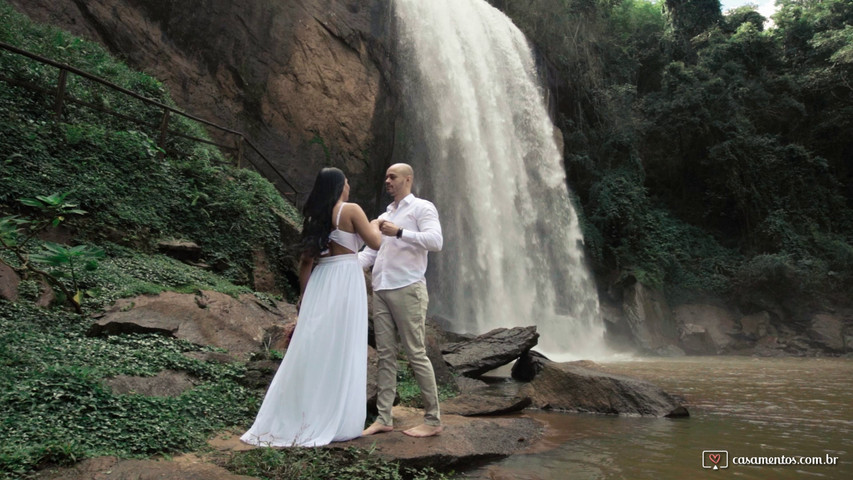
pixel 399 233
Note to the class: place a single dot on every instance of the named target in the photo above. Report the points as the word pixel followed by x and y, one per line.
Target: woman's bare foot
pixel 424 430
pixel 376 427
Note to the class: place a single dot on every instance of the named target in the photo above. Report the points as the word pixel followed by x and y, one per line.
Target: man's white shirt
pixel 403 261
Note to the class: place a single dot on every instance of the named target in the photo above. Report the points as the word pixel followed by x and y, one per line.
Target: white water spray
pixel 477 132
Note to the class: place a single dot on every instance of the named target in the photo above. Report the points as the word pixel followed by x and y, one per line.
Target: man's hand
pixel 388 228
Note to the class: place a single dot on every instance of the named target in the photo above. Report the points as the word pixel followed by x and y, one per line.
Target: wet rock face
pixel 308 81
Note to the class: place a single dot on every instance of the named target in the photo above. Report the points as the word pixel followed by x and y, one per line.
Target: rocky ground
pixel 482 423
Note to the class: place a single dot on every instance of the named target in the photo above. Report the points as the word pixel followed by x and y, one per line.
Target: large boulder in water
pixel 572 387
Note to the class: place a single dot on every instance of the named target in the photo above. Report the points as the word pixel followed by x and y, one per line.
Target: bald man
pixel 410 229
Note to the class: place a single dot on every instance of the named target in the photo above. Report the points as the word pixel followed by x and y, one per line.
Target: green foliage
pixel 56 409
pixel 701 145
pixel 410 393
pixel 114 168
pixel 16 233
pixel 320 464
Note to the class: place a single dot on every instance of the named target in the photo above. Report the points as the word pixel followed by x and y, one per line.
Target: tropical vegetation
pixel 709 151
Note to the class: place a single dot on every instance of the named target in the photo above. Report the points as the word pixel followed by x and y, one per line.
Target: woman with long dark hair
pixel 318 394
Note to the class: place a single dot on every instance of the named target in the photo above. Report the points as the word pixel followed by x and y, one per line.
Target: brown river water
pixel 793 414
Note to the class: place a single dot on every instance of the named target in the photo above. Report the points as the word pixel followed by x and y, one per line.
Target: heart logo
pixel 714 457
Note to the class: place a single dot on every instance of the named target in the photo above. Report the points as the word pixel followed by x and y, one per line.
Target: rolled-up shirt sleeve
pixel 367 257
pixel 429 237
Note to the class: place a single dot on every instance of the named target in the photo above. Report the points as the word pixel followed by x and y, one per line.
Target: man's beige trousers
pixel 403 311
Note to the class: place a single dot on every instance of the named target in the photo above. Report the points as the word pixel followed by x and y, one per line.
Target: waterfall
pixel 474 126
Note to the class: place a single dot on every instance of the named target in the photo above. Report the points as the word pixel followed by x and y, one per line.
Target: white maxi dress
pixel 318 394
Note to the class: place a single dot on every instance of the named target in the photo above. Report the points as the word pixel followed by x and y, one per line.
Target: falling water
pixel 476 129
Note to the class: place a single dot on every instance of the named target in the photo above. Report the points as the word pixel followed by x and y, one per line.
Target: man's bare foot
pixel 424 430
pixel 376 427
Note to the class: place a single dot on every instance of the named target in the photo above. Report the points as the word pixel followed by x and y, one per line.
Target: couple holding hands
pixel 318 394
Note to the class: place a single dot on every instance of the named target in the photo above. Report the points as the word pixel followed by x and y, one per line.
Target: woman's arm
pixel 368 231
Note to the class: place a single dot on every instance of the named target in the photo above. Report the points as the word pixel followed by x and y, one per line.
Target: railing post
pixel 164 128
pixel 240 151
pixel 60 93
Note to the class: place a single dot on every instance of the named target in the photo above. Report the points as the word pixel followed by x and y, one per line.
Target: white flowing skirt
pixel 319 393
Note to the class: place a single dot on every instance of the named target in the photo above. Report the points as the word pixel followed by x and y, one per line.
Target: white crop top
pixel 350 241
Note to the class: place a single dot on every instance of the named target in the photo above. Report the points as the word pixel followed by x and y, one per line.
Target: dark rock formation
pixel 259 373
pixel 443 375
pixel 528 365
pixel 696 340
pixel 575 388
pixel 649 317
pixel 240 326
pixel 490 350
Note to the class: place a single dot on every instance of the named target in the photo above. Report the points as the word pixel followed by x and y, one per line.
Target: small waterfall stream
pixel 476 130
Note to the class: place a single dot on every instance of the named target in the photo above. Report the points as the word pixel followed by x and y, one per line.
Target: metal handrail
pixel 167 110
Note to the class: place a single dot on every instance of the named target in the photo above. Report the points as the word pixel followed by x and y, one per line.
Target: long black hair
pixel 317 212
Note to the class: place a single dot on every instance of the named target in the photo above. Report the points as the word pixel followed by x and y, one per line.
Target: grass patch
pixel 56 409
pixel 409 391
pixel 323 463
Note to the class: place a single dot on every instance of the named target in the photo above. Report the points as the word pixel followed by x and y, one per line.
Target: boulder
pixel 696 340
pixel 484 401
pixel 180 250
pixel 465 441
pixel 827 331
pixel 467 384
pixel 239 325
pixel 9 281
pixel 259 373
pixel 443 375
pixel 718 322
pixel 528 365
pixel 184 467
pixel 167 383
pixel 573 387
pixel 491 350
pixel 756 326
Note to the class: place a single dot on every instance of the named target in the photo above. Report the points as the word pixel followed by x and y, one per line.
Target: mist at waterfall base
pixel 474 126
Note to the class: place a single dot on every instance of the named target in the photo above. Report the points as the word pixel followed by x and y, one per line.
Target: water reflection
pixel 750 407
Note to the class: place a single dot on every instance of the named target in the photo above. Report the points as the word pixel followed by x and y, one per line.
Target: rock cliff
pixel 306 80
